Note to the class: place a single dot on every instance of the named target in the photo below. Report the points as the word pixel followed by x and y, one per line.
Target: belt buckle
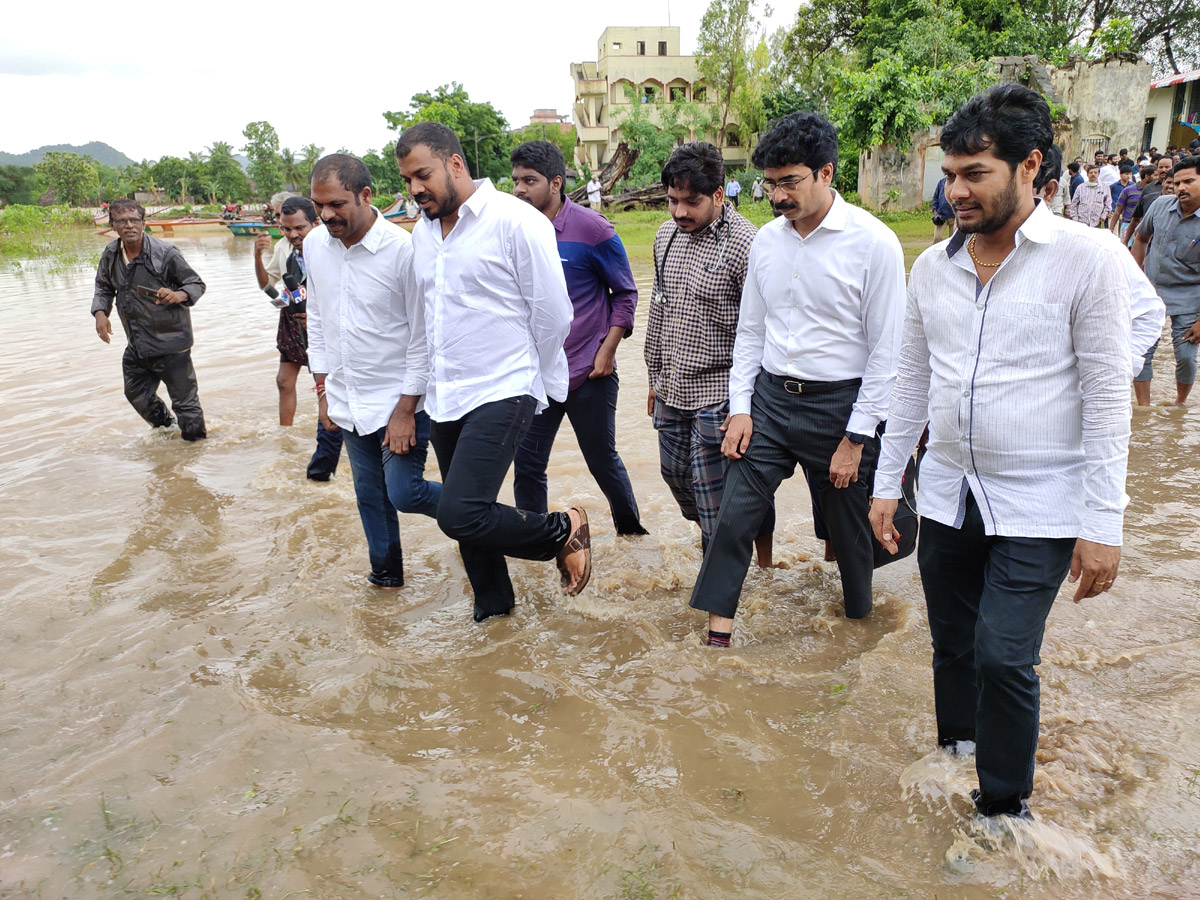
pixel 793 387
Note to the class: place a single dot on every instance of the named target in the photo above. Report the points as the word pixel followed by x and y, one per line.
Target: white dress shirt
pixel 1024 383
pixel 1108 175
pixel 366 324
pixel 277 264
pixel 496 305
pixel 828 307
pixel 1146 308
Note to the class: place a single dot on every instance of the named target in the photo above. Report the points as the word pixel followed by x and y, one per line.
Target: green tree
pixel 226 181
pixel 481 128
pixel 72 177
pixel 656 128
pixel 171 174
pixel 262 146
pixel 725 52
pixel 290 166
pixel 747 104
pixel 18 184
pixel 384 173
pixel 309 156
pixel 539 131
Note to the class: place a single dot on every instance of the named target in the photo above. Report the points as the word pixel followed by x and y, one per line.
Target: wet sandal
pixel 580 540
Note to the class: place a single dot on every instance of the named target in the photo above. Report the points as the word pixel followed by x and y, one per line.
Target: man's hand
pixel 650 402
pixel 303 317
pixel 168 297
pixel 603 363
pixel 843 468
pixel 103 326
pixel 262 244
pixel 323 414
pixel 1193 334
pixel 880 517
pixel 400 436
pixel 1094 566
pixel 737 435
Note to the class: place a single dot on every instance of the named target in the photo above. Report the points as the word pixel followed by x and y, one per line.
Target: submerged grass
pixel 41 232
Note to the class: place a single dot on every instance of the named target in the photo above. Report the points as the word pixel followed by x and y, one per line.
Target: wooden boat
pixel 164 226
pixel 250 228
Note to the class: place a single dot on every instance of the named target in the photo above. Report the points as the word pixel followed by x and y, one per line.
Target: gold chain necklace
pixel 978 261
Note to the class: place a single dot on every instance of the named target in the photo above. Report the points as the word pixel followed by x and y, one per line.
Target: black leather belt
pixel 796 386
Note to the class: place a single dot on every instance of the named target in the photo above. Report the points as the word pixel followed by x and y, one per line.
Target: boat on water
pixel 250 228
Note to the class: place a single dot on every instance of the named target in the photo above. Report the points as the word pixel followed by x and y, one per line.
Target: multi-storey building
pixel 634 65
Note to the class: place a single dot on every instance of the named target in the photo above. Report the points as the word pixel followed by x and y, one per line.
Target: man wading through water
pixel 1016 352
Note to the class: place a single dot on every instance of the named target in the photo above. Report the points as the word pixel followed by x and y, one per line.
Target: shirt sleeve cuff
pixel 317 363
pixel 1102 527
pixel 862 423
pixel 739 405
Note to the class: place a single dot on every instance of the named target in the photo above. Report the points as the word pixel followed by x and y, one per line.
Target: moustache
pixel 424 198
pixel 784 206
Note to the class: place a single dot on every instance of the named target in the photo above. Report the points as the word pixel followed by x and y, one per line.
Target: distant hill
pixel 97 150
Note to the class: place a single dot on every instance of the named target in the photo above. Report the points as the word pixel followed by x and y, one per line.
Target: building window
pixel 641 45
pixel 648 94
pixel 700 94
pixel 732 139
pixel 678 94
pixel 616 45
pixel 1148 133
pixel 662 48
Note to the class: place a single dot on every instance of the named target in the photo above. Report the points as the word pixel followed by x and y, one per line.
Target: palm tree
pixel 310 154
pixel 291 167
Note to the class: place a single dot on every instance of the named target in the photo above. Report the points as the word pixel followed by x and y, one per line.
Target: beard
pixel 1006 206
pixel 443 206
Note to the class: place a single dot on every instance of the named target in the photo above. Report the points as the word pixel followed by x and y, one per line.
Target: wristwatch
pixel 857 439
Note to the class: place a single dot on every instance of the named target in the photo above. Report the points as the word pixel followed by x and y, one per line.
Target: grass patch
pixel 38 232
pixel 637 228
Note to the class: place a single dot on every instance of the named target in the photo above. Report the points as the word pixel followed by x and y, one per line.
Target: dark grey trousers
pixel 143 375
pixel 789 430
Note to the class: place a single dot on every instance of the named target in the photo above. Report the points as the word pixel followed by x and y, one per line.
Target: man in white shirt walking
pixel 498 311
pixel 813 365
pixel 366 349
pixel 595 200
pixel 1016 352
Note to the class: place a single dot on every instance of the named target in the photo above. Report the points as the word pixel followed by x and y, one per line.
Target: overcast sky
pixel 163 79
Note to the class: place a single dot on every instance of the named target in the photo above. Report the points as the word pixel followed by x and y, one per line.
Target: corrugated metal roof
pixel 1181 78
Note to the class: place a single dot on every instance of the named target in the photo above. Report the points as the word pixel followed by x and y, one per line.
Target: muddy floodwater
pixel 202 697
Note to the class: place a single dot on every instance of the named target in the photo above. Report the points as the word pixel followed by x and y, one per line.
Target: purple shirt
pixel 599 282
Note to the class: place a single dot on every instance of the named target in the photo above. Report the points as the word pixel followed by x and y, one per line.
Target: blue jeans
pixel 386 483
pixel 592 409
pixel 988 598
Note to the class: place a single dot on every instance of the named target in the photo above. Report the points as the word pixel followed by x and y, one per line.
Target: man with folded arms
pixel 498 312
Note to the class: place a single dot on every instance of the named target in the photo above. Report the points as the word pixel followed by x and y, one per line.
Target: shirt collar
pixel 374 236
pixel 484 189
pixel 835 219
pixel 1038 228
pixel 560 221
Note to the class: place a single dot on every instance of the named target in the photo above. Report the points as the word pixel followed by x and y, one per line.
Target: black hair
pixel 1145 171
pixel 1051 168
pixel 544 158
pixel 1125 151
pixel 125 203
pixel 347 170
pixel 1010 119
pixel 434 135
pixel 1188 162
pixel 1127 166
pixel 299 204
pixel 698 166
pixel 798 139
pixel 1073 167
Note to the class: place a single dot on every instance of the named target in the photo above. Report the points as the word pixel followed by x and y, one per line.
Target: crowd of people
pixel 1004 364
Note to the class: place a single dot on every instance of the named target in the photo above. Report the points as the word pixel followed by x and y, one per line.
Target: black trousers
pixel 474 454
pixel 988 599
pixel 143 374
pixel 789 430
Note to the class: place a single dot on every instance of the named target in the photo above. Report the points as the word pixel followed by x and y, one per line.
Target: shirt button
pixel 795 274
pixel 972 351
pixel 966 393
pixel 979 306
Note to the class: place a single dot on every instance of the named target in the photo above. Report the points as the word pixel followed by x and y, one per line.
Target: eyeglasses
pixel 787 185
pixel 121 223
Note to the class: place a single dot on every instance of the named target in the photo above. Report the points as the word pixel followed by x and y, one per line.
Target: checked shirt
pixel 694 310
